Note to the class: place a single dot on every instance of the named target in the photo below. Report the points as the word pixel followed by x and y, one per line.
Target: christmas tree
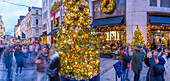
pixel 78 47
pixel 137 39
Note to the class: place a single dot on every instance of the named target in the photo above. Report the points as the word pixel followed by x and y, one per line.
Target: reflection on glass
pixel 165 3
pixel 153 2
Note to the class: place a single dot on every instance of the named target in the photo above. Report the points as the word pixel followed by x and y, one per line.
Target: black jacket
pixel 55 63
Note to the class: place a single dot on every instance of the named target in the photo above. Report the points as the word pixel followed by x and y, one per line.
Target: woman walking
pixel 19 56
pixel 25 52
pixel 54 65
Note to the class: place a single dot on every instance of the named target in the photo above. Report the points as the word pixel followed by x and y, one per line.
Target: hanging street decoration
pixel 105 4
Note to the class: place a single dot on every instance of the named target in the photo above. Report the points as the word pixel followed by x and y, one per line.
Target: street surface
pixel 107 72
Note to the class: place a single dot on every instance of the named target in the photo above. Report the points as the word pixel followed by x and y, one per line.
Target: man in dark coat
pixel 137 62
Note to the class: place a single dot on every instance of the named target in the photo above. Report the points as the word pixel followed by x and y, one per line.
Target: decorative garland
pixel 55 7
pixel 55 22
pixel 105 3
pixel 115 28
pixel 153 27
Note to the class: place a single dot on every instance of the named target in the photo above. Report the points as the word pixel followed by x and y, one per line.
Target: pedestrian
pixel 25 52
pixel 30 56
pixel 165 55
pixel 19 56
pixel 125 59
pixel 7 59
pixel 42 61
pixel 157 68
pixel 137 62
pixel 128 64
pixel 54 65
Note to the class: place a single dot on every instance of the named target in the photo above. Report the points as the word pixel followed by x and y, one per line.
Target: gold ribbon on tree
pixel 105 3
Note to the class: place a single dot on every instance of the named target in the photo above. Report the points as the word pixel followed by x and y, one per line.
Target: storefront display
pixel 158 34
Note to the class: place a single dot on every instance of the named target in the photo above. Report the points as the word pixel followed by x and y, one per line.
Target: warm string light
pixel 79 49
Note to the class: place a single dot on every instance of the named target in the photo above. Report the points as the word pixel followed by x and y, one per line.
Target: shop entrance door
pixel 160 37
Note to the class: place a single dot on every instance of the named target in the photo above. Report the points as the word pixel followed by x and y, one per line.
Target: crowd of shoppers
pixel 44 56
pixel 156 60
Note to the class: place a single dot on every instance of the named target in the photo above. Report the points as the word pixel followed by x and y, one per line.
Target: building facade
pixel 30 26
pixel 2 31
pixel 118 25
pixel 151 16
pixel 17 30
pixel 48 29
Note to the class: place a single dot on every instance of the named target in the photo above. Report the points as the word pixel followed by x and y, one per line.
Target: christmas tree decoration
pixel 137 39
pixel 105 3
pixel 78 48
pixel 55 7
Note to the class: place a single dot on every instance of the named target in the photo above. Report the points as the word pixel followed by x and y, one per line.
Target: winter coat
pixel 155 72
pixel 41 67
pixel 7 58
pixel 55 63
pixel 136 61
pixel 19 56
pixel 124 58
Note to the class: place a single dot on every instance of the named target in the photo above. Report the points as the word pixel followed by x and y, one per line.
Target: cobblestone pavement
pixel 107 72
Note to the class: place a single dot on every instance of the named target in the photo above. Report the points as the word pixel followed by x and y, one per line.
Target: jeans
pixel 137 75
pixel 123 76
pixel 9 74
pixel 42 76
pixel 127 75
pixel 20 71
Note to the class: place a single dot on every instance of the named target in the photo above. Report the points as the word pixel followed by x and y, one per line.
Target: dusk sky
pixel 10 13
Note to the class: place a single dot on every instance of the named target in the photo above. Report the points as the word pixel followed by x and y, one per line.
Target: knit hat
pixel 138 46
pixel 161 60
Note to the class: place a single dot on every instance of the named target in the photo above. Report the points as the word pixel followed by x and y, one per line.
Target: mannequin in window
pixel 112 38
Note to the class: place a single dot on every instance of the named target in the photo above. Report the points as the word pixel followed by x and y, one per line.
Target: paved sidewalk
pixel 108 72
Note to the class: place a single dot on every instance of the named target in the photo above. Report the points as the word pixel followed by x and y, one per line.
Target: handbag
pixel 51 72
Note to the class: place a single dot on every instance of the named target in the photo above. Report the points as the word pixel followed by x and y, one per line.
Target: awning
pixel 52 32
pixel 107 22
pixel 28 39
pixel 44 34
pixel 160 20
pixel 22 40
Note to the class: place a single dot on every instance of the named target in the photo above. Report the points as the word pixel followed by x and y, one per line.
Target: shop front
pixel 109 24
pixel 44 38
pixel 158 32
pixel 53 36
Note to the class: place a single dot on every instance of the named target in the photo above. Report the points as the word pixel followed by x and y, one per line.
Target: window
pixel 165 3
pixel 153 2
pixel 45 15
pixel 29 24
pixel 36 21
pixel 44 26
pixel 46 2
pixel 36 12
pixel 37 31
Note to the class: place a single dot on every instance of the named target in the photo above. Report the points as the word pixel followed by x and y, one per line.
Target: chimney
pixel 29 9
